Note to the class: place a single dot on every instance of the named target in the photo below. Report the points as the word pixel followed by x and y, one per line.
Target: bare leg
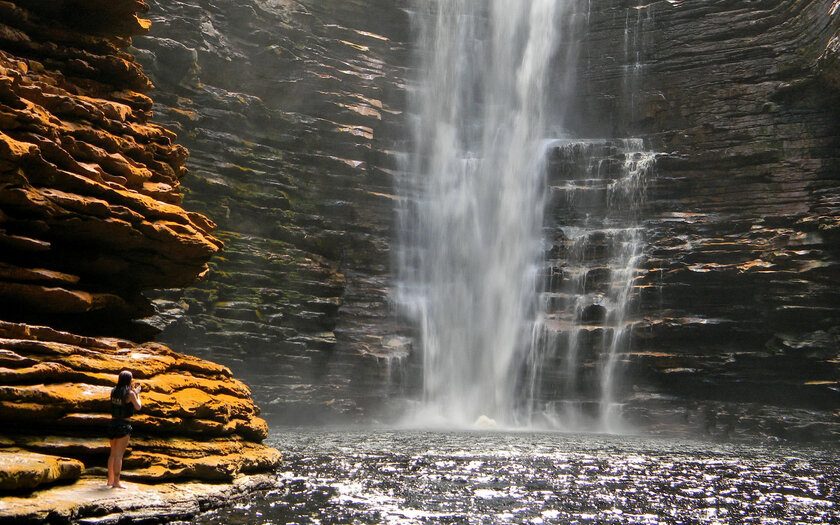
pixel 111 458
pixel 117 451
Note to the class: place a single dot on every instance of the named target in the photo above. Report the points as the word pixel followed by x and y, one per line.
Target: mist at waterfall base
pixel 471 477
pixel 501 299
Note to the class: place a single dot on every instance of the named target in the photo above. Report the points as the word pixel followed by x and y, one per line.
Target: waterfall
pixel 486 113
pixel 583 325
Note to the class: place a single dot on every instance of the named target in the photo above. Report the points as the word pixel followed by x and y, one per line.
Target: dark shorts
pixel 118 428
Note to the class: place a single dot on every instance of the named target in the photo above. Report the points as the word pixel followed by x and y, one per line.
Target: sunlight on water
pixel 479 477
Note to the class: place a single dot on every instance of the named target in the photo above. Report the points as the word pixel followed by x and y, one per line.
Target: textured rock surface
pixel 89 501
pixel 89 218
pixel 26 470
pixel 89 188
pixel 197 421
pixel 738 309
pixel 292 113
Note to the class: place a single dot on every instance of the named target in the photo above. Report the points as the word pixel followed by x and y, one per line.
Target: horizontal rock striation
pixel 197 421
pixel 89 188
pixel 291 112
pixel 90 217
pixel 738 305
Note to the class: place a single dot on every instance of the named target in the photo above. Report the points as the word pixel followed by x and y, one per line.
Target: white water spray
pixel 474 204
pixel 470 255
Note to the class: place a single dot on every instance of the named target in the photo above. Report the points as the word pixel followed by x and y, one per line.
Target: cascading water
pixel 474 197
pixel 597 188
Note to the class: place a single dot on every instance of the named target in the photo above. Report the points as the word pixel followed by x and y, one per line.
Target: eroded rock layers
pixel 291 112
pixel 197 421
pixel 90 217
pixel 739 306
pixel 90 188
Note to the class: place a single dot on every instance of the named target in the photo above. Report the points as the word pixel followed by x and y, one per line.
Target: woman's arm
pixel 134 397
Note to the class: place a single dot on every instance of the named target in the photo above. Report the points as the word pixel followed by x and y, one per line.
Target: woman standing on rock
pixel 125 399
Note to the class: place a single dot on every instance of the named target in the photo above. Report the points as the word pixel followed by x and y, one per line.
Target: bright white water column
pixel 473 197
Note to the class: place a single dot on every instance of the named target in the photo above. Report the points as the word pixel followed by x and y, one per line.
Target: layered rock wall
pixel 739 307
pixel 197 421
pixel 294 112
pixel 90 217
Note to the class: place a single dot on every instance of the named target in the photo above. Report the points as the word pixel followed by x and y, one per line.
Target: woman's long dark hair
pixel 123 383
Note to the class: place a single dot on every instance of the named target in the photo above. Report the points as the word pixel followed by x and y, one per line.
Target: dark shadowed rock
pixel 293 114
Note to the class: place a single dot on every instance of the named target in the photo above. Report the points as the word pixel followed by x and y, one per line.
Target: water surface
pixel 410 477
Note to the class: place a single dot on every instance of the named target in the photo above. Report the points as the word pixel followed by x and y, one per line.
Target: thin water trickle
pixel 584 324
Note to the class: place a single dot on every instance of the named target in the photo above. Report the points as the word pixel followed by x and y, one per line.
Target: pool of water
pixel 408 477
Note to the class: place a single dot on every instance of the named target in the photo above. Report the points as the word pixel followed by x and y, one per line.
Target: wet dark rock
pixel 293 115
pixel 594 313
pixel 736 297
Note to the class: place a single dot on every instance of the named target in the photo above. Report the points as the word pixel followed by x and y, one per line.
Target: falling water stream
pixel 488 109
pixel 475 195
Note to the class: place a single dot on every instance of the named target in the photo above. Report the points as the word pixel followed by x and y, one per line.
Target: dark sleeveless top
pixel 120 408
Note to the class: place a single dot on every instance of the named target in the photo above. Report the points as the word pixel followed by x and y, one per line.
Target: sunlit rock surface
pixel 26 470
pixel 90 501
pixel 90 188
pixel 197 421
pixel 292 112
pixel 90 217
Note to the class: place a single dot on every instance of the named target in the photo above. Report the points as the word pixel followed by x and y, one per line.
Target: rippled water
pixel 480 477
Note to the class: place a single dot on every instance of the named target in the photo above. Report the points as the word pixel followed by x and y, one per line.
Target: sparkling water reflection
pixel 425 477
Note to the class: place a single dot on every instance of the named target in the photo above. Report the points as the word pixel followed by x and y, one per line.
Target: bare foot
pixel 118 486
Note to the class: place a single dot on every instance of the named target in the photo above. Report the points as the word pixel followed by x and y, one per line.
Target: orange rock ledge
pixel 89 187
pixel 197 421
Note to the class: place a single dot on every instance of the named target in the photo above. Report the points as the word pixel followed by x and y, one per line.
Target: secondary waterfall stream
pixel 475 271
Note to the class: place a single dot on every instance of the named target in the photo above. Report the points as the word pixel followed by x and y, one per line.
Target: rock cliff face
pixel 89 218
pixel 293 112
pixel 738 308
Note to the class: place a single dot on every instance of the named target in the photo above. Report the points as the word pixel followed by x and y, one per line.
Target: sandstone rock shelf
pixel 197 421
pixel 89 502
